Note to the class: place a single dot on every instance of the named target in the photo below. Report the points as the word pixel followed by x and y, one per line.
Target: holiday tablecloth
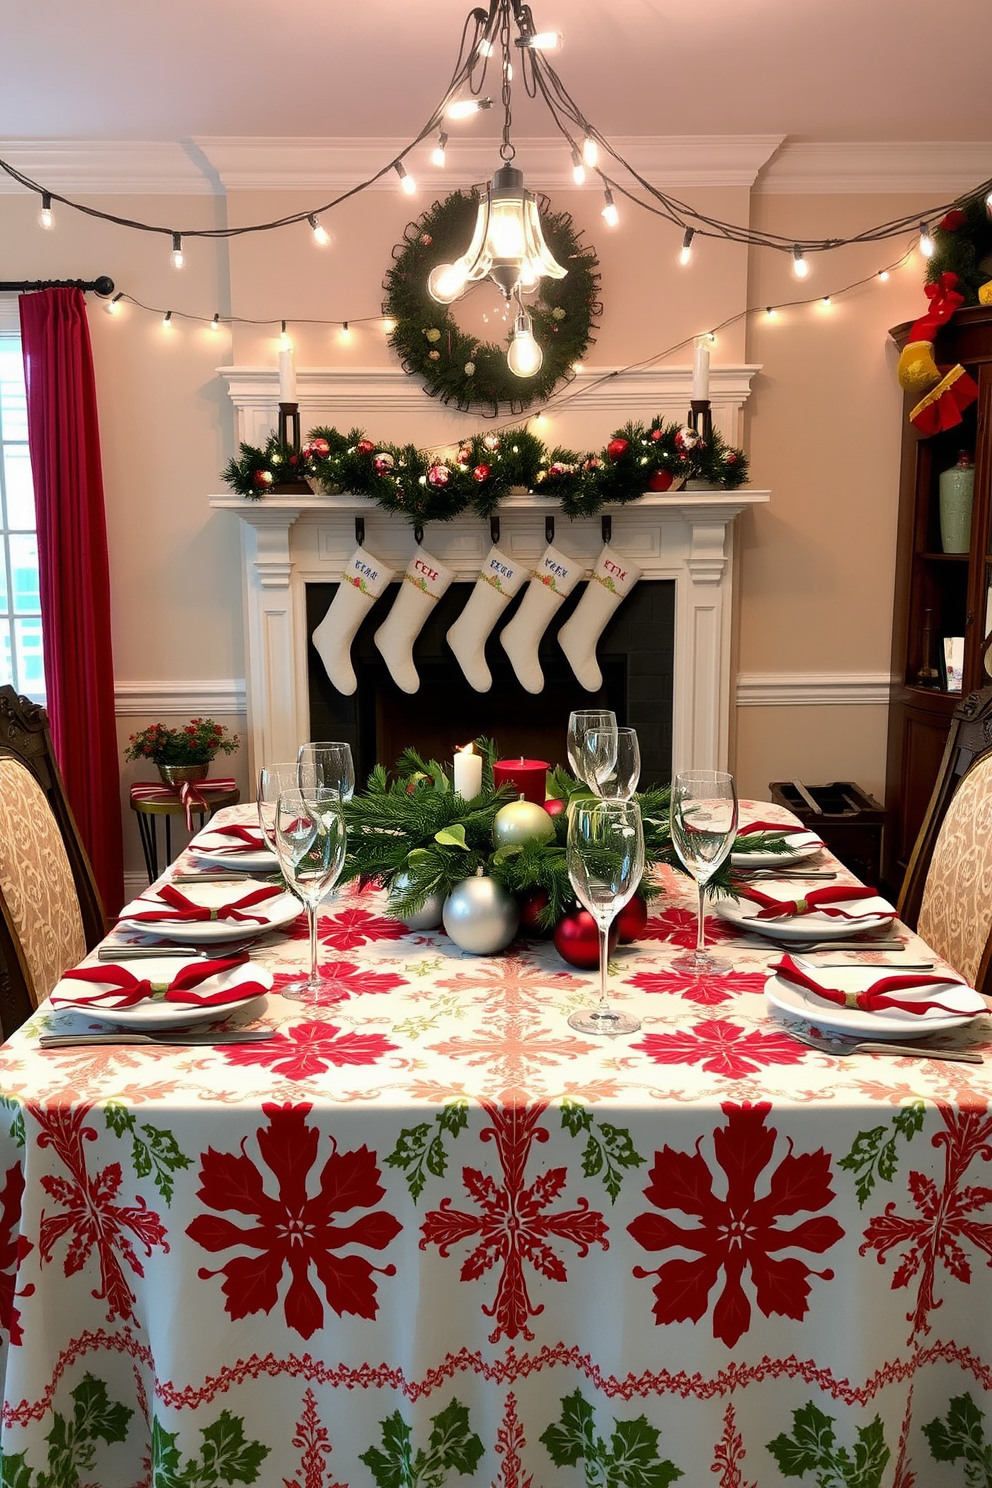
pixel 429 1236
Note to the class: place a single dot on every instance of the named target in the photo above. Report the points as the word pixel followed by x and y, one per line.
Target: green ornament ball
pixel 520 822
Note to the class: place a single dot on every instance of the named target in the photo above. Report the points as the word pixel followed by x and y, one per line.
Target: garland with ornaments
pixel 483 469
pixel 459 368
pixel 962 245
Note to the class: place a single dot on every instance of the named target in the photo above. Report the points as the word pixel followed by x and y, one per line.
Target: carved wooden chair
pixel 947 892
pixel 50 909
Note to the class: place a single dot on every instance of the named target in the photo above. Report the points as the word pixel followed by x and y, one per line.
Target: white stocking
pixel 611 582
pixel 553 579
pixel 362 582
pixel 494 588
pixel 425 580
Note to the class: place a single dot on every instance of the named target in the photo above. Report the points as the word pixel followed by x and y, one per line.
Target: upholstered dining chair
pixel 947 892
pixel 50 909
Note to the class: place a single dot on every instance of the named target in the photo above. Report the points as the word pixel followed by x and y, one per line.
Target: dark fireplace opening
pixel 635 655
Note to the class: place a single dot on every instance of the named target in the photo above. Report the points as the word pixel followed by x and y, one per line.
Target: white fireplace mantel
pixel 290 541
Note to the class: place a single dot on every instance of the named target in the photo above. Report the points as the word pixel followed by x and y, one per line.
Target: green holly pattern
pixel 226 1456
pixel 962 1437
pixel 608 1150
pixel 873 1156
pixel 812 1448
pixel 421 1150
pixel 16 1128
pixel 71 1440
pixel 154 1152
pixel 629 1460
pixel 452 1447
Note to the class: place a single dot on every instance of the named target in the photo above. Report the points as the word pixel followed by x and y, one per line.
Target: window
pixel 21 661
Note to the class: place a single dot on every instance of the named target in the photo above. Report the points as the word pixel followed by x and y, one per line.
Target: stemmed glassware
pixel 271 780
pixel 592 745
pixel 621 783
pixel 332 765
pixel 605 856
pixel 310 843
pixel 703 814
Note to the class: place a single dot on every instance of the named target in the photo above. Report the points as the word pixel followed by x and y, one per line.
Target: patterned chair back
pixel 36 881
pixel 956 912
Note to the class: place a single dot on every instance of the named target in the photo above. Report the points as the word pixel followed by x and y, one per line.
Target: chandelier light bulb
pixel 541 41
pixel 486 47
pixel 685 252
pixel 446 282
pixel 464 108
pixel 524 357
pixel 407 182
pixel 590 152
pixel 799 265
pixel 437 155
pixel 610 214
pixel 45 216
pixel 926 241
pixel 177 251
pixel 320 234
pixel 507 245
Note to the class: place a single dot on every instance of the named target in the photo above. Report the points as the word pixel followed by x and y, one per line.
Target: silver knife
pixel 221 876
pixel 164 1039
pixel 217 950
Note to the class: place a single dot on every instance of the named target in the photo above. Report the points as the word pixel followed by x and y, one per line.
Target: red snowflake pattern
pixel 13 1248
pixel 512 1224
pixel 294 1230
pixel 92 1219
pixel 678 927
pixel 943 1219
pixel 311 1049
pixel 707 991
pixel 354 927
pixel 737 1233
pixel 343 979
pixel 313 1441
pixel 722 1048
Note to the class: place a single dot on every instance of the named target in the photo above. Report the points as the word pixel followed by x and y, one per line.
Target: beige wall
pixel 822 427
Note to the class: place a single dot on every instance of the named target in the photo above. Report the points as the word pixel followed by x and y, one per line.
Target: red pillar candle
pixel 529 778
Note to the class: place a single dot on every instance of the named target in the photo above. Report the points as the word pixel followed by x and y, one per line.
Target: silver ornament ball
pixel 480 916
pixel 426 918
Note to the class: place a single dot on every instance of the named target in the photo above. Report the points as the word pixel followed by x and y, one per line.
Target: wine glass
pixel 605 856
pixel 271 780
pixel 591 765
pixel 621 782
pixel 333 767
pixel 703 814
pixel 310 844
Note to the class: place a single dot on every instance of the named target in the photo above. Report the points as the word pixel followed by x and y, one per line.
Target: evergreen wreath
pixel 484 468
pixel 458 368
pixel 963 246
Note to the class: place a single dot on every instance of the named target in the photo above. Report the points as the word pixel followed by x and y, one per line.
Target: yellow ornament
pixel 985 293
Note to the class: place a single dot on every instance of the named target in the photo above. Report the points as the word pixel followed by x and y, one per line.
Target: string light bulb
pixel 407 183
pixel 45 216
pixel 215 323
pixel 883 274
pixel 610 214
pixel 437 155
pixel 685 252
pixel 388 325
pixel 464 108
pixel 524 357
pixel 320 234
pixel 799 265
pixel 578 169
pixel 926 241
pixel 590 152
pixel 770 312
pixel 988 204
pixel 826 302
pixel 167 321
pixel 285 340
pixel 345 331
pixel 177 251
pixel 114 307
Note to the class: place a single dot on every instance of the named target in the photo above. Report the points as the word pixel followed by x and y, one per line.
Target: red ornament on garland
pixel 364 447
pixel 660 480
pixel 631 920
pixel 617 447
pixel 531 905
pixel 263 477
pixel 577 940
pixel 482 473
pixel 554 807
pixel 439 475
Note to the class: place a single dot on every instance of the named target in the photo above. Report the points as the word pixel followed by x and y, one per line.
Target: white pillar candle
pixel 701 369
pixel 287 376
pixel 467 773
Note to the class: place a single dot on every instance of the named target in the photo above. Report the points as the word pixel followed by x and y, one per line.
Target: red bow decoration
pixel 124 990
pixel 822 901
pixel 185 911
pixel 243 837
pixel 192 794
pixel 944 300
pixel 878 995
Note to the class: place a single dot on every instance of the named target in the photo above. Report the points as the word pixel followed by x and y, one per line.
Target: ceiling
pixel 806 70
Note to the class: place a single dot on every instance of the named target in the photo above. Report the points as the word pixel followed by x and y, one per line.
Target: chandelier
pixel 508 244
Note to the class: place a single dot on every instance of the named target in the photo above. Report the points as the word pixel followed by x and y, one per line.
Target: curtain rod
pixel 103 286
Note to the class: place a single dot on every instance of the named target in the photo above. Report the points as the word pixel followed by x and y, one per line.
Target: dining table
pixel 425 1235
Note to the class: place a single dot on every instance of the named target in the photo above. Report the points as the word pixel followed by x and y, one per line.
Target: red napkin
pixel 878 995
pixel 123 989
pixel 244 837
pixel 185 911
pixel 822 901
pixel 777 829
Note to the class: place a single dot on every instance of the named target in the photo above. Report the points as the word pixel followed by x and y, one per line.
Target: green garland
pixel 962 243
pixel 484 468
pixel 457 367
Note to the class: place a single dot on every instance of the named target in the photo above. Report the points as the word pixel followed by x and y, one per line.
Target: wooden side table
pixel 149 810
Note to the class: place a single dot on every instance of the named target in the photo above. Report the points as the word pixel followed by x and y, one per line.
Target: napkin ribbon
pixel 191 795
pixel 876 997
pixel 122 989
pixel 821 901
pixel 776 829
pixel 242 838
pixel 186 911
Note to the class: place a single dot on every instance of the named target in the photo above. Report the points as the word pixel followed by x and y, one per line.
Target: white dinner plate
pixel 796 1002
pixel 160 1014
pixel 804 845
pixel 866 914
pixel 273 913
pixel 213 849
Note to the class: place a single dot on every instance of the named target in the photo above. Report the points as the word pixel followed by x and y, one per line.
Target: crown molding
pixel 180 699
pixel 946 169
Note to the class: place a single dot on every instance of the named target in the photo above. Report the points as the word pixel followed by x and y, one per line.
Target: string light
pixel 770 312
pixel 45 216
pixel 610 214
pixel 590 152
pixel 167 321
pixel 320 234
pixel 799 265
pixel 114 307
pixel 988 203
pixel 388 325
pixel 926 241
pixel 464 108
pixel 578 169
pixel 215 323
pixel 285 342
pixel 883 274
pixel 345 332
pixel 685 252
pixel 826 302
pixel 177 251
pixel 407 182
pixel 437 155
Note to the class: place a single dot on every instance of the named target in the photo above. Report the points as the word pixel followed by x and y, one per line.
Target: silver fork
pixel 843 1047
pixel 216 950
pixel 163 1039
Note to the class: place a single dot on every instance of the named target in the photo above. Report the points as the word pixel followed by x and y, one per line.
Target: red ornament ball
pixel 263 477
pixel 439 475
pixel 482 473
pixel 577 940
pixel 364 446
pixel 617 447
pixel 531 905
pixel 660 480
pixel 631 920
pixel 554 807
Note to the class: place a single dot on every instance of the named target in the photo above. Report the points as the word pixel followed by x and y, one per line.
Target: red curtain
pixel 64 440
